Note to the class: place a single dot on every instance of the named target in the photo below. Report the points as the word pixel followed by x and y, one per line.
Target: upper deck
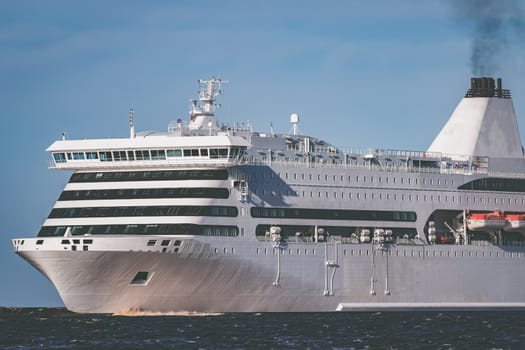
pixel 148 150
pixel 202 143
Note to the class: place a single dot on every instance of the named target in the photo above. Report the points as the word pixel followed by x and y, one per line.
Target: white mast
pixel 132 133
pixel 294 119
pixel 201 115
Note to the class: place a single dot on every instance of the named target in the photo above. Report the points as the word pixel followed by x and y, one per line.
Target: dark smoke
pixel 497 25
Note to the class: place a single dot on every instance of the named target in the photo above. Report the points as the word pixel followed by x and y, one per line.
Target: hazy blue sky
pixel 359 73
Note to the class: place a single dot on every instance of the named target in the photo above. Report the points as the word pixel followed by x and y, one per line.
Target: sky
pixel 377 73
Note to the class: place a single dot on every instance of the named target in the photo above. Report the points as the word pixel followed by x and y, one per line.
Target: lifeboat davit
pixel 486 221
pixel 515 223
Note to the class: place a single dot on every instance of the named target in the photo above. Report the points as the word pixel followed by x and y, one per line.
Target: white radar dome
pixel 294 118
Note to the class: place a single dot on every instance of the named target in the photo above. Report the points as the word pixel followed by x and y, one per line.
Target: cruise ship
pixel 220 218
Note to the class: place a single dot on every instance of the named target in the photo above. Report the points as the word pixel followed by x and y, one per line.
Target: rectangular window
pixel 158 154
pixel 174 153
pixel 105 156
pixel 59 157
pixel 223 153
pixel 204 152
pixel 214 153
pixel 234 151
pixel 78 155
pixel 131 155
pixel 119 156
pixel 142 155
pixel 91 155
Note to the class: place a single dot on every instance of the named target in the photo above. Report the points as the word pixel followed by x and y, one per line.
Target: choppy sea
pixel 56 328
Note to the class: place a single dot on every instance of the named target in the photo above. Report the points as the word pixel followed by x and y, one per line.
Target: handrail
pixel 280 162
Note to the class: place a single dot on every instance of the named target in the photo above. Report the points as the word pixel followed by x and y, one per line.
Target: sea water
pixel 55 328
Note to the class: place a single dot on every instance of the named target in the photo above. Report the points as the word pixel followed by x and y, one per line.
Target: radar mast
pixel 202 112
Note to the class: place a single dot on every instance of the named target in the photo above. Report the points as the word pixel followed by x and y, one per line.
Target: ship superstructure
pixel 221 218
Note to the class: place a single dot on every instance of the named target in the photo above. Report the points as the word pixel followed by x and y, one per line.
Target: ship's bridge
pixel 148 150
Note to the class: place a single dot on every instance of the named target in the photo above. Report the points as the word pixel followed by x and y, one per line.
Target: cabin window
pixel 142 155
pixel 91 155
pixel 234 152
pixel 59 157
pixel 214 153
pixel 189 152
pixel 78 155
pixel 204 152
pixel 223 153
pixel 174 153
pixel 158 154
pixel 119 155
pixel 105 156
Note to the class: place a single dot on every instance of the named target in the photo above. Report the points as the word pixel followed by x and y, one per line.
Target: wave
pixel 140 312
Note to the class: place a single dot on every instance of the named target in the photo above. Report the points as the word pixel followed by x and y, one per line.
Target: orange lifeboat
pixel 486 221
pixel 515 223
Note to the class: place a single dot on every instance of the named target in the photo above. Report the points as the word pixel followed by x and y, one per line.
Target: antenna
pixel 131 124
pixel 202 111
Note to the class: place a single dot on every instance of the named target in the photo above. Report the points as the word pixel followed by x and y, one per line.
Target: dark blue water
pixel 59 329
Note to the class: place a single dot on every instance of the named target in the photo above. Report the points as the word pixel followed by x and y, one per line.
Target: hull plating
pixel 304 277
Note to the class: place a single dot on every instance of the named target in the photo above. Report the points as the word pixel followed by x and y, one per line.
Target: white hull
pixel 358 276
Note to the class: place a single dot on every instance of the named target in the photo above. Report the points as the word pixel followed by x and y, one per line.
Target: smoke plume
pixel 496 25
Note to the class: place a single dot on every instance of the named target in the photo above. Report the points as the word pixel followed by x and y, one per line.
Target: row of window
pixel 495 184
pixel 186 210
pixel 397 252
pixel 217 174
pixel 143 229
pixel 191 192
pixel 333 214
pixel 155 154
pixel 229 211
pixel 355 178
pixel 389 196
